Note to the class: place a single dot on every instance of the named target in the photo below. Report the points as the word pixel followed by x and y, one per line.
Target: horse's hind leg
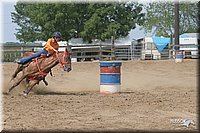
pixel 16 72
pixel 17 82
pixel 30 86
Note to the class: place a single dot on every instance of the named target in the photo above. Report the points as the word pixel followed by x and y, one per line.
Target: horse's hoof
pixel 25 95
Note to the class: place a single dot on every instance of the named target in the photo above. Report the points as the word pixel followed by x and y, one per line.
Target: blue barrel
pixel 178 55
pixel 110 77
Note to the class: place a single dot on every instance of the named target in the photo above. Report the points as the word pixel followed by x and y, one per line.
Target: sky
pixel 8 27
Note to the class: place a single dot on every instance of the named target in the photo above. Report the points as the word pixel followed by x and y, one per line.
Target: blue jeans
pixel 29 58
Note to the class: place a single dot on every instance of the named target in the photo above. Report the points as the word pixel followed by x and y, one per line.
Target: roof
pixel 190 35
pixel 79 41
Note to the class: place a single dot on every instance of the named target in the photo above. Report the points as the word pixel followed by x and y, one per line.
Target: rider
pixel 50 47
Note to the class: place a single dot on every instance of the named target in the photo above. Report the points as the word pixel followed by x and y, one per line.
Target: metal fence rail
pixel 86 52
pixel 100 52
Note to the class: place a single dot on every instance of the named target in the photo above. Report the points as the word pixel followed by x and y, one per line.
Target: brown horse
pixel 37 70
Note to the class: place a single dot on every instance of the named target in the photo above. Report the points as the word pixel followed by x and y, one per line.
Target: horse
pixel 38 69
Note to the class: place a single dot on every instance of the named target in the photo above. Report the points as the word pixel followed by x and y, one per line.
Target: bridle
pixel 62 60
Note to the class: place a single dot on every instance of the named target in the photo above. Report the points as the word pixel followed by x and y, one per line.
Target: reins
pixel 41 73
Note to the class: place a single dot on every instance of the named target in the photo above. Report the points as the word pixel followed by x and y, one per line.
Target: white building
pixel 189 44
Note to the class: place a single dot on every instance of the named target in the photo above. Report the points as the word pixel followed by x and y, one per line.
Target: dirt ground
pixel 155 96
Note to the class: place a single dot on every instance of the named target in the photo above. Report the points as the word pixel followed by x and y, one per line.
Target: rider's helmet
pixel 57 34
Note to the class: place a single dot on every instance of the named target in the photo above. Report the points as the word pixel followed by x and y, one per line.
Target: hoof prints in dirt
pixel 60 93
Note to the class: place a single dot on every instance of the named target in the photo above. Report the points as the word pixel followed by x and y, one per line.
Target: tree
pixel 44 19
pixel 24 22
pixel 113 19
pixel 37 21
pixel 159 18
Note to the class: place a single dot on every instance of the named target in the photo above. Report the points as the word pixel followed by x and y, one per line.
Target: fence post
pixel 170 46
pixel 113 55
pixel 100 52
pixel 22 51
pixel 151 52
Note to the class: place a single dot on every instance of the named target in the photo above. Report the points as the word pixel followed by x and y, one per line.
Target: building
pixel 151 48
pixel 189 44
pixel 163 48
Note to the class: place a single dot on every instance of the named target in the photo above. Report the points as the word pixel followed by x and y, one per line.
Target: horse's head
pixel 66 61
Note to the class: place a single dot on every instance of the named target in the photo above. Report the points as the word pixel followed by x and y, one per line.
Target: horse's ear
pixel 66 49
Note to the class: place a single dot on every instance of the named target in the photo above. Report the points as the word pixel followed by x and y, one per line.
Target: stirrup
pixel 17 61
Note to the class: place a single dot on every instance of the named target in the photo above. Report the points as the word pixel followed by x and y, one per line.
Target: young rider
pixel 50 47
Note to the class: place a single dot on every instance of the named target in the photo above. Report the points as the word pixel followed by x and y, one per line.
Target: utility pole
pixel 176 24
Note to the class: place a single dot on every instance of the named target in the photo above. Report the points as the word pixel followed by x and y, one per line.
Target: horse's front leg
pixel 45 82
pixel 31 84
pixel 27 80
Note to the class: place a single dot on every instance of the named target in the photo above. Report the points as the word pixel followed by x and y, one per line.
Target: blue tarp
pixel 161 43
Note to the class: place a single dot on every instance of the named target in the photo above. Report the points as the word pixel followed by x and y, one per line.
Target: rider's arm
pixel 48 46
pixel 55 50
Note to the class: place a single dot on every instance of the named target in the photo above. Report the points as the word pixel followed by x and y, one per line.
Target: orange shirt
pixel 51 43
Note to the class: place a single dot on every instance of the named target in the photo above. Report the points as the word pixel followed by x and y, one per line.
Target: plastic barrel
pixel 110 77
pixel 178 55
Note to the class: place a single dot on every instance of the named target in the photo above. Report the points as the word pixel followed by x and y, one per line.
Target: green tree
pixel 112 19
pixel 37 21
pixel 159 18
pixel 24 22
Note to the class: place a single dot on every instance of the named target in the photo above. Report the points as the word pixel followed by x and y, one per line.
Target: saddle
pixel 24 65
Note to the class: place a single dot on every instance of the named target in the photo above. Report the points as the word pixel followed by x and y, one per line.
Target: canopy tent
pixel 161 43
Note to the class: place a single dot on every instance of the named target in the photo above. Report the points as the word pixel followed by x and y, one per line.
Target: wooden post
pixel 176 25
pixel 170 46
pixel 113 48
pixel 100 52
pixel 151 52
pixel 22 51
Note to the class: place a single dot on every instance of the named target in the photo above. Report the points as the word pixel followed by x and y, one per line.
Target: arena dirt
pixel 154 94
